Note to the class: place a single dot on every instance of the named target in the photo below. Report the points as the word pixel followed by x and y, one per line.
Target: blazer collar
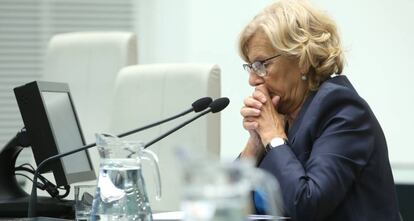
pixel 298 121
pixel 338 80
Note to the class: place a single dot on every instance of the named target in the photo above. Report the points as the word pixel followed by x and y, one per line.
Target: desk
pixel 165 216
pixel 35 219
pixel 178 216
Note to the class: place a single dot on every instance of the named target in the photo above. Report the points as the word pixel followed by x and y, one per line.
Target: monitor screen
pixel 64 125
pixel 53 127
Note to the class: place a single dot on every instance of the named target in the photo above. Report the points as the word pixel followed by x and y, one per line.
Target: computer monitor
pixel 51 127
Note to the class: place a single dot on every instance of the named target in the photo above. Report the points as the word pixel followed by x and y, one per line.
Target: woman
pixel 307 124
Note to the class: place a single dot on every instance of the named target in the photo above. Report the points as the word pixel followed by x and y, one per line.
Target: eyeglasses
pixel 259 67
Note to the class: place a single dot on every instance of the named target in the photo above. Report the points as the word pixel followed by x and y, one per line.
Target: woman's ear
pixel 304 69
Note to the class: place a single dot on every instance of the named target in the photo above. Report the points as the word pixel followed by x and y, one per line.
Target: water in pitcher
pixel 121 192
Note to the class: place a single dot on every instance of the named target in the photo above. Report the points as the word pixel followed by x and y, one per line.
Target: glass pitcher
pixel 217 191
pixel 121 192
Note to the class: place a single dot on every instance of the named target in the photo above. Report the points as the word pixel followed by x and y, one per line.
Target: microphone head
pixel 219 104
pixel 201 104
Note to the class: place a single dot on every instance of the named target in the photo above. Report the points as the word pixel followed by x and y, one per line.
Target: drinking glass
pixel 84 195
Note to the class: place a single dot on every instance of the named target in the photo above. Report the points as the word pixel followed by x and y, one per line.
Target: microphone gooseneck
pixel 216 106
pixel 33 196
pixel 197 106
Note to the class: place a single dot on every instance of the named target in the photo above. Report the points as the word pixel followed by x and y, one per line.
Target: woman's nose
pixel 255 80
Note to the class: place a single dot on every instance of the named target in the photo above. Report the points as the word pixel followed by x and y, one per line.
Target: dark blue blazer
pixel 336 164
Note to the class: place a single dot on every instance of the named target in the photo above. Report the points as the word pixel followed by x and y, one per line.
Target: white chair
pixel 89 62
pixel 148 93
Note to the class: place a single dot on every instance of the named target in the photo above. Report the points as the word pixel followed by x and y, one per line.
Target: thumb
pixel 262 89
pixel 275 101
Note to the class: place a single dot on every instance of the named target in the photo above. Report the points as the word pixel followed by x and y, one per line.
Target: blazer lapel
pixel 339 80
pixel 296 124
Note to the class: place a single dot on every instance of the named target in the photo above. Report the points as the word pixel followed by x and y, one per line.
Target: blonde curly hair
pixel 296 28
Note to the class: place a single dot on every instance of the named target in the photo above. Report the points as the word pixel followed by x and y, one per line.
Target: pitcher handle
pixel 152 157
pixel 266 183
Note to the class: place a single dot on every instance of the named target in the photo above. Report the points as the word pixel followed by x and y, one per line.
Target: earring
pixel 303 77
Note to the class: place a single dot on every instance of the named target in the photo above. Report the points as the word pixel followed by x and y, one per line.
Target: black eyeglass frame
pixel 259 67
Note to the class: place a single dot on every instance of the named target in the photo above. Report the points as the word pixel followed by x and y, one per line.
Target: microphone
pixel 219 104
pixel 197 106
pixel 201 104
pixel 216 106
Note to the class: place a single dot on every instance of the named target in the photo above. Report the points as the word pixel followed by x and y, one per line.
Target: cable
pixel 38 185
pixel 45 184
pixel 67 191
pixel 22 168
pixel 30 170
pixel 29 165
pixel 21 174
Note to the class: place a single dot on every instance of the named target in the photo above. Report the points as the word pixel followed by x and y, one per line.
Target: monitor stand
pixel 14 200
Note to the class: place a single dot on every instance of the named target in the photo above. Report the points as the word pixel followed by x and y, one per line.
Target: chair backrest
pixel 148 93
pixel 89 62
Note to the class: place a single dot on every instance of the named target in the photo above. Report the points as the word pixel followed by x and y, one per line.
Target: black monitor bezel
pixel 43 141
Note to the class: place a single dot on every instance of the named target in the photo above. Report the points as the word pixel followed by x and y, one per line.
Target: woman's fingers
pixel 259 96
pixel 251 102
pixel 249 112
pixel 249 124
pixel 249 115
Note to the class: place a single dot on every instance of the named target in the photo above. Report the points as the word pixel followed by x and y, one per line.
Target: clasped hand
pixel 262 120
